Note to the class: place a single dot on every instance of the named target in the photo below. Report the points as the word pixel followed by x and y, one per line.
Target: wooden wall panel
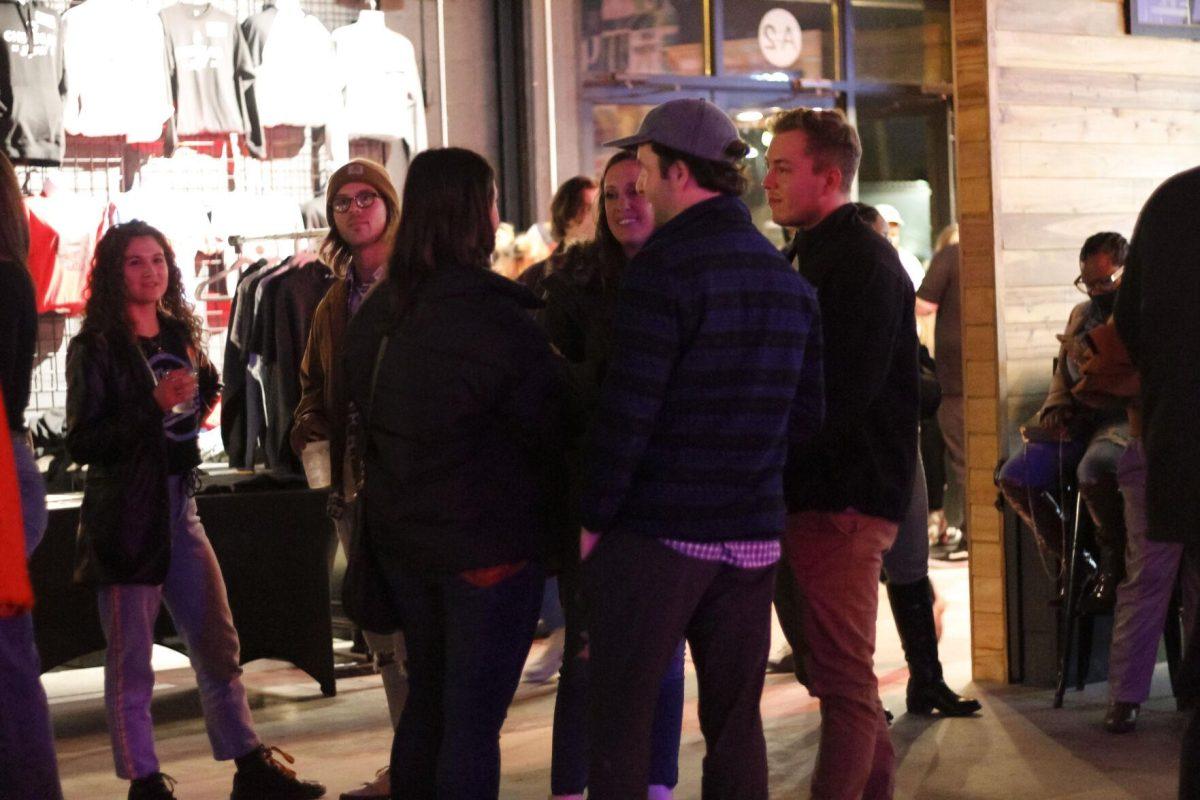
pixel 1076 125
pixel 1120 55
pixel 1032 86
pixel 1066 124
pixel 982 333
pixel 1094 17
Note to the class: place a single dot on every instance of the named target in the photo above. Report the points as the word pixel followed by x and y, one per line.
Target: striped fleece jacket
pixel 715 370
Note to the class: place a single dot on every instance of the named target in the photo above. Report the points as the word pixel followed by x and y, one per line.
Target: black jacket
pixel 1156 318
pixel 580 302
pixel 468 428
pixel 864 455
pixel 115 427
pixel 18 331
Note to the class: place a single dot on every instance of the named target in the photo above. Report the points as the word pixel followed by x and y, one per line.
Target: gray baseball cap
pixel 691 125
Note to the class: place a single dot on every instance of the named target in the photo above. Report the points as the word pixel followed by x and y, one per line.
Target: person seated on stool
pixel 1072 436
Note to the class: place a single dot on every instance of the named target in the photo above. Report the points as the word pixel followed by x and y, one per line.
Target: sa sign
pixel 779 37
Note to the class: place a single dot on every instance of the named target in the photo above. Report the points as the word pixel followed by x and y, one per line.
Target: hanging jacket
pixel 33 83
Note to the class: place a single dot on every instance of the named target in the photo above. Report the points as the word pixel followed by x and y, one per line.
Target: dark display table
pixel 274 548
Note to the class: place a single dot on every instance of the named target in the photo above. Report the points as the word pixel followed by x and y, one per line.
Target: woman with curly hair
pixel 138 387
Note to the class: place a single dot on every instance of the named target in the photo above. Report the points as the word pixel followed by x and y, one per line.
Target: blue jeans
pixel 194 593
pixel 569 757
pixel 28 768
pixel 466 648
pixel 1042 467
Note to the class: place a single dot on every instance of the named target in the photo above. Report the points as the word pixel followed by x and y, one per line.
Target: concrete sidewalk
pixel 1019 748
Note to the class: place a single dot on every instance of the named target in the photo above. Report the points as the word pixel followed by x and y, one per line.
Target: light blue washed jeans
pixel 194 593
pixel 1145 593
pixel 28 768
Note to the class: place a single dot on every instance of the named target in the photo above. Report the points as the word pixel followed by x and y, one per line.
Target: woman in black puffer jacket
pixel 464 412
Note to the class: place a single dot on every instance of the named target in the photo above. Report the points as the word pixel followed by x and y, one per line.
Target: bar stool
pixel 1074 623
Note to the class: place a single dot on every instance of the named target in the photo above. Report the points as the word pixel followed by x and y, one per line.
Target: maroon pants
pixel 836 558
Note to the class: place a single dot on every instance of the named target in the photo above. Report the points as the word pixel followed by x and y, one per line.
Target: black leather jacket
pixel 115 427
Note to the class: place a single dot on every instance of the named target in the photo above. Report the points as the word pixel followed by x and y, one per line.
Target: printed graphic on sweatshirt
pixel 199 55
pixel 44 28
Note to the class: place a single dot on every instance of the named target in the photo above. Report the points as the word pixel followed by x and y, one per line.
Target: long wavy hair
pixel 445 221
pixel 14 226
pixel 105 310
pixel 604 252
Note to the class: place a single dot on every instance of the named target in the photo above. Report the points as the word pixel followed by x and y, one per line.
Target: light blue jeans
pixel 1143 596
pixel 28 768
pixel 194 593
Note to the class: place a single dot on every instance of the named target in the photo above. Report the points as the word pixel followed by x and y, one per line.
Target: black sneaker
pixel 153 787
pixel 262 776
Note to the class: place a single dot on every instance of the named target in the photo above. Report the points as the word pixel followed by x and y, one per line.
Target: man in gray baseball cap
pixel 681 140
pixel 716 349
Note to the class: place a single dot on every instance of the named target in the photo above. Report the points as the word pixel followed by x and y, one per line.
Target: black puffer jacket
pixel 464 458
pixel 115 427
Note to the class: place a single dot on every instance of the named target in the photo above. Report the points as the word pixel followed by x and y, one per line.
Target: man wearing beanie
pixel 715 369
pixel 364 212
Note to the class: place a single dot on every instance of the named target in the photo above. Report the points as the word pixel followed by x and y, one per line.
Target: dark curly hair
pixel 105 309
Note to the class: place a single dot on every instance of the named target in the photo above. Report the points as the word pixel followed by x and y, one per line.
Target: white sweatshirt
pixel 382 84
pixel 115 54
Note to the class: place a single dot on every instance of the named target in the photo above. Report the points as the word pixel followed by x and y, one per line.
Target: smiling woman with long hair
pixel 463 406
pixel 138 387
pixel 581 295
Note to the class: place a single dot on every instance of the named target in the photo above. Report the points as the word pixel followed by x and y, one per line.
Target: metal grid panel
pixel 103 167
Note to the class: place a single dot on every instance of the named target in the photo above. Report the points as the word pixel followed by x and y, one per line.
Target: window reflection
pixel 790 36
pixel 902 41
pixel 642 37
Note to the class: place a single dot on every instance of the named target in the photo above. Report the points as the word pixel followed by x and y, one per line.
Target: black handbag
pixel 366 599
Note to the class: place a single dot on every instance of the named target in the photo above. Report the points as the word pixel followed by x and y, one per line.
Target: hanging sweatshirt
pixel 382 84
pixel 116 55
pixel 210 70
pixel 33 83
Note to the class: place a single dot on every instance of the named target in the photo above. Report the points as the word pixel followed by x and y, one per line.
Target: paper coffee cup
pixel 316 464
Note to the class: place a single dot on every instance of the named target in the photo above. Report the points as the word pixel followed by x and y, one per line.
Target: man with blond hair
pixel 848 487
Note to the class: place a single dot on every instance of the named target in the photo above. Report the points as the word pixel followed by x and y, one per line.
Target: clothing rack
pixel 237 242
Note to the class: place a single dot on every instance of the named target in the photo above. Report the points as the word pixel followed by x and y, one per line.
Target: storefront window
pixel 643 37
pixel 906 164
pixel 793 37
pixel 902 41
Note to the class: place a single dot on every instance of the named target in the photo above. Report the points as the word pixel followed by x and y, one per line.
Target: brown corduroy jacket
pixel 322 411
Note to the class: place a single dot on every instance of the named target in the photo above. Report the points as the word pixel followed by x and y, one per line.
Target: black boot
pixel 1103 500
pixel 152 787
pixel 261 776
pixel 912 607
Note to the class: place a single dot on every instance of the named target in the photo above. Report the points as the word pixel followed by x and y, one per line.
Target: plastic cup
pixel 317 469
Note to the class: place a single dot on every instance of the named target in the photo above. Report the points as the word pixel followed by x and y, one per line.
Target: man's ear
pixel 679 174
pixel 833 180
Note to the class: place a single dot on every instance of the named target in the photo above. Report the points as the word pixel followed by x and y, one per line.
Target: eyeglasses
pixel 341 203
pixel 1100 285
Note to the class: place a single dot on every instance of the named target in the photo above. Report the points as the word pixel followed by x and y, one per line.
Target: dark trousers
pixel 643 597
pixel 466 647
pixel 569 759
